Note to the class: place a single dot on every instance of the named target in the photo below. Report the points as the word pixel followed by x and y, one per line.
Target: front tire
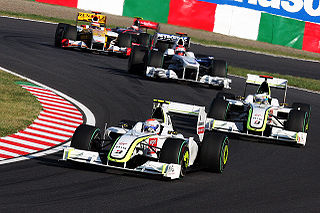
pixel 176 151
pixel 86 138
pixel 297 121
pixel 214 152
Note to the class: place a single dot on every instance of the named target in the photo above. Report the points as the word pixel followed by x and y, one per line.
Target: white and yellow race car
pixel 261 116
pixel 154 147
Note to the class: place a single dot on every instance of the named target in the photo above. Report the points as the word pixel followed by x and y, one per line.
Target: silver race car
pixel 154 147
pixel 261 116
pixel 170 58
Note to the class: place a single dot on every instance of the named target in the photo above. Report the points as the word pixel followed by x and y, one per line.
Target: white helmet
pixel 152 126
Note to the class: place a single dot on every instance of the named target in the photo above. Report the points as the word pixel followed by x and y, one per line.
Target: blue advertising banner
pixel 305 10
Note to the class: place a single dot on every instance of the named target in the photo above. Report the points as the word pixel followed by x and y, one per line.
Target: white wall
pixel 107 6
pixel 236 21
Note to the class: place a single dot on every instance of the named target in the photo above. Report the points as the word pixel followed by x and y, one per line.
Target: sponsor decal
pixel 148 24
pixel 152 142
pixel 119 151
pixel 305 10
pixel 89 16
pixel 170 38
pixel 200 130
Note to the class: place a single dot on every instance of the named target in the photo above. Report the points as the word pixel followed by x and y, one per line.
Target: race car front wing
pixel 171 171
pixel 66 43
pixel 153 72
pixel 277 134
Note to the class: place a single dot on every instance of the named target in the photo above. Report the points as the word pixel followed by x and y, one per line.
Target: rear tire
pixel 64 31
pixel 176 151
pixel 218 109
pixel 86 138
pixel 297 121
pixel 214 152
pixel 162 47
pixel 144 40
pixel 137 60
pixel 219 68
pixel 124 40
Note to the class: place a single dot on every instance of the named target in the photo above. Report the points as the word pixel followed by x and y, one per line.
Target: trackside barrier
pixel 294 24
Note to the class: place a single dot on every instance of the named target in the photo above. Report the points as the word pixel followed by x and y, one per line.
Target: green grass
pixel 37 17
pixel 306 83
pixel 254 49
pixel 18 108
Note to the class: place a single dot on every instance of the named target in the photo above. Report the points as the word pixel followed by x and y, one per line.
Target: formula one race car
pixel 170 58
pixel 154 146
pixel 136 35
pixel 96 37
pixel 261 116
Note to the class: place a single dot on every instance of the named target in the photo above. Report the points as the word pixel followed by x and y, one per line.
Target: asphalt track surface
pixel 259 177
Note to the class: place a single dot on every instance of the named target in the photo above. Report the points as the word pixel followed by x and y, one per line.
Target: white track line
pixel 90 120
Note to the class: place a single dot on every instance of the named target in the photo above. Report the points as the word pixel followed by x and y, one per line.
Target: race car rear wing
pixel 146 24
pixel 185 109
pixel 90 17
pixel 272 82
pixel 169 38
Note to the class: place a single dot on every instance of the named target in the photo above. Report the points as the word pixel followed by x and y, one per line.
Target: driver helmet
pixel 135 27
pixel 151 126
pixel 261 98
pixel 95 25
pixel 180 50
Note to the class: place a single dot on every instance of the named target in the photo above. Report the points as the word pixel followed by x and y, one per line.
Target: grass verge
pixel 306 83
pixel 254 49
pixel 18 108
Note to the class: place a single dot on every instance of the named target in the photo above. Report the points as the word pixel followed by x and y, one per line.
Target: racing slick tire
pixel 125 40
pixel 218 109
pixel 162 47
pixel 303 107
pixel 175 151
pixel 60 30
pixel 155 59
pixel 65 31
pixel 225 95
pixel 297 121
pixel 144 39
pixel 219 68
pixel 86 138
pixel 137 61
pixel 214 152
